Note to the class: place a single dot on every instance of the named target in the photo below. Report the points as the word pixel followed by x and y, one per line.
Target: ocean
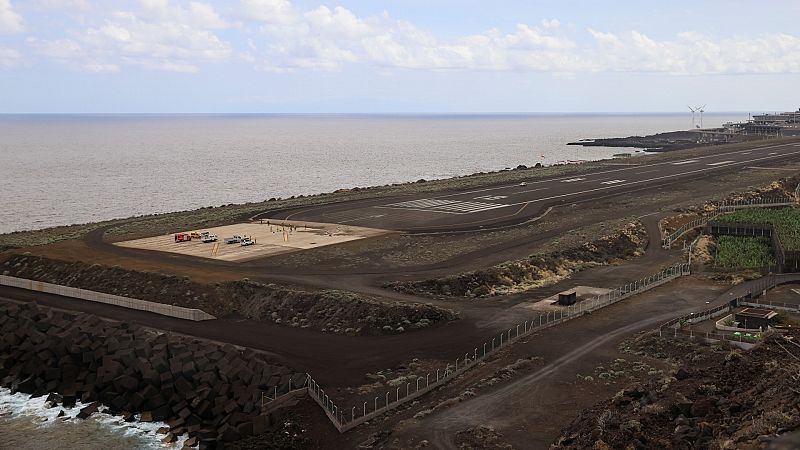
pixel 27 424
pixel 65 169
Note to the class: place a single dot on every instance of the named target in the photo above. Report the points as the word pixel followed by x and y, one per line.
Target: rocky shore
pixel 660 142
pixel 209 391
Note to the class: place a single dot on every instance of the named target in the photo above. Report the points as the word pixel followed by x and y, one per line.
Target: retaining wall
pixel 178 312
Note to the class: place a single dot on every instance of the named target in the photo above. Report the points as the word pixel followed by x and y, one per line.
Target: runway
pixel 506 205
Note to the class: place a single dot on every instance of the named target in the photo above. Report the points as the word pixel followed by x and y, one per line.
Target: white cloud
pixel 277 35
pixel 325 39
pixel 9 57
pixel 10 20
pixel 691 53
pixel 161 35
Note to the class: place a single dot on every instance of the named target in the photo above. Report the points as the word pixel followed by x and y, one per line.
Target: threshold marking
pixel 719 163
pixel 613 181
pixel 572 180
pixel 445 206
pixel 685 162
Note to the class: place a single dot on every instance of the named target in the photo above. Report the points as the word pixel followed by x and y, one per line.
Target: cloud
pixel 691 53
pixel 9 57
pixel 161 36
pixel 10 21
pixel 281 36
pixel 326 39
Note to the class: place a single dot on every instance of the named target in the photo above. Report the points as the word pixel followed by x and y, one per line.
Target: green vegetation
pixel 736 252
pixel 785 220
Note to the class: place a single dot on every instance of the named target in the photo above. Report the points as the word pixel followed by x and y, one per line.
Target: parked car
pixel 209 237
pixel 235 239
pixel 247 241
pixel 183 237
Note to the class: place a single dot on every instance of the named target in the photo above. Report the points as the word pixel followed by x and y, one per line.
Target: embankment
pixel 324 310
pixel 535 271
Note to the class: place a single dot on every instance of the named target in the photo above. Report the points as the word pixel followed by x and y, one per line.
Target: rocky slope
pixel 325 310
pixel 718 398
pixel 535 271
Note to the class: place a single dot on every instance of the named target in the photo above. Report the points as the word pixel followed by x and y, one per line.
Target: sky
pixel 397 56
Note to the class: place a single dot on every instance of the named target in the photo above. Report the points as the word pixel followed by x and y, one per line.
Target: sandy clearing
pixel 271 239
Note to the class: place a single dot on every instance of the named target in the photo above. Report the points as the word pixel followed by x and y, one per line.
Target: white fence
pixel 109 299
pixel 345 419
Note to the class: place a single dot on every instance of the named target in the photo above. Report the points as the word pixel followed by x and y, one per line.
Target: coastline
pixel 23 417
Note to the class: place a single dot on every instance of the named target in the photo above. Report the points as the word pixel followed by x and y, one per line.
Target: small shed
pixel 755 318
pixel 567 298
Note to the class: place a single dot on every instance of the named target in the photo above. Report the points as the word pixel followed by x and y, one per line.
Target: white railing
pixel 178 312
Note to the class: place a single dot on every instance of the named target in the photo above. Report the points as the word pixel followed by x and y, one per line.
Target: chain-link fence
pixel 345 419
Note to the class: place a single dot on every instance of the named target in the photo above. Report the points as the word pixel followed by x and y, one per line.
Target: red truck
pixel 183 237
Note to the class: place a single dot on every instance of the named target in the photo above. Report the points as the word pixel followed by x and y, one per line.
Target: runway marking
pixel 444 206
pixel 491 197
pixel 774 153
pixel 572 180
pixel 613 181
pixel 685 162
pixel 663 163
pixel 746 153
pixel 375 216
pixel 530 190
pixel 719 163
pixel 630 183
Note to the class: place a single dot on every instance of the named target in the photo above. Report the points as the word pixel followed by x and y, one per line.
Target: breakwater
pixel 210 392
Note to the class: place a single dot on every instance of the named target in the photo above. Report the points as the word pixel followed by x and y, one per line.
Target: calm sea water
pixel 57 170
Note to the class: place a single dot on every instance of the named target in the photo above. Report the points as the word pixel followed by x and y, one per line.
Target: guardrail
pixel 345 419
pixel 178 312
pixel 727 206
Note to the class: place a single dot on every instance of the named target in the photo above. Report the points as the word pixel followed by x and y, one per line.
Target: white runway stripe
pixel 719 163
pixel 685 162
pixel 445 206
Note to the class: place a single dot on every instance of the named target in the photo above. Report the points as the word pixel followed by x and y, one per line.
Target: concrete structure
pixel 755 318
pixel 567 298
pixel 178 312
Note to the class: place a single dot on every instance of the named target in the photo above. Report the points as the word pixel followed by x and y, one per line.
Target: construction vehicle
pixel 198 234
pixel 233 240
pixel 209 237
pixel 183 237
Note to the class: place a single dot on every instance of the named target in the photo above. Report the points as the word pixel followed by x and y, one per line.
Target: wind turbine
pixel 702 110
pixel 693 110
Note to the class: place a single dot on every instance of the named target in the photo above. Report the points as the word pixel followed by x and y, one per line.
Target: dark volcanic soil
pixel 720 398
